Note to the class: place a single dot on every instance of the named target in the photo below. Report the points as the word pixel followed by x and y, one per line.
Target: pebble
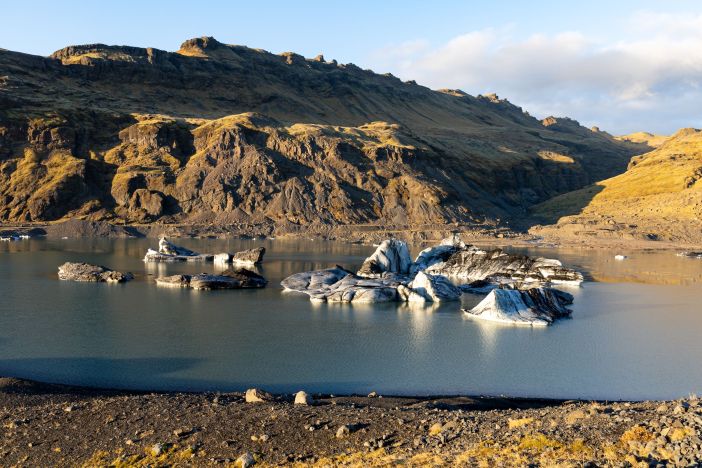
pixel 245 461
pixel 343 431
pixel 156 450
pixel 183 432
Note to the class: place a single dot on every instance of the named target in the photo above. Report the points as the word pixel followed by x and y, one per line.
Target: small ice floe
pixel 535 306
pixel 620 257
pixel 690 254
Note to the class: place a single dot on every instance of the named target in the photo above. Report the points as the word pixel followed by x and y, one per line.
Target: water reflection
pixel 626 340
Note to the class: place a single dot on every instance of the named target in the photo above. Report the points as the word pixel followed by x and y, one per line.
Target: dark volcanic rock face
pixel 226 134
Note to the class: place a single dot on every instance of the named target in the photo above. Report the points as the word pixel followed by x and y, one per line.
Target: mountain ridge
pixel 214 133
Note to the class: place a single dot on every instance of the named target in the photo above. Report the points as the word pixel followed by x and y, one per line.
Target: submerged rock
pixel 250 256
pixel 391 256
pixel 247 278
pixel 239 278
pixel 95 273
pixel 535 306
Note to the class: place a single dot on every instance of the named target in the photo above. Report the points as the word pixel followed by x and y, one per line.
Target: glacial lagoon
pixel 634 331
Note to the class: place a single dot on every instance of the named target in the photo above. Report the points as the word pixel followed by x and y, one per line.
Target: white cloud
pixel 650 81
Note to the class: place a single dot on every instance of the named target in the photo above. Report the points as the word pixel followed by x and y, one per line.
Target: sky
pixel 621 65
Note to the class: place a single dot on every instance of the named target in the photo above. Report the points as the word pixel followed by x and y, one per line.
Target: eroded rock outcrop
pixel 535 306
pixel 70 271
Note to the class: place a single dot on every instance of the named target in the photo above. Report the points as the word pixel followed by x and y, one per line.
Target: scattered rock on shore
pixel 70 271
pixel 245 461
pixel 255 395
pixel 303 398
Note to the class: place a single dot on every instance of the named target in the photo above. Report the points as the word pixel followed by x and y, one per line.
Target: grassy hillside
pixel 660 193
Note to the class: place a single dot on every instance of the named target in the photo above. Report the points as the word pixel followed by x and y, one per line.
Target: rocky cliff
pixel 224 134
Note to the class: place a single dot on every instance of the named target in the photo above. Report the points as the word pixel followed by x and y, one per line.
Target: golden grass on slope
pixel 666 182
pixel 654 141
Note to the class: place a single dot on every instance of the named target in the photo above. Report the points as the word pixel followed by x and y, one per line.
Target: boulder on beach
pixel 255 395
pixel 70 271
pixel 535 306
pixel 391 256
pixel 303 398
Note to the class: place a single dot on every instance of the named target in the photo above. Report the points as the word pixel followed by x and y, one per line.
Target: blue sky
pixel 624 66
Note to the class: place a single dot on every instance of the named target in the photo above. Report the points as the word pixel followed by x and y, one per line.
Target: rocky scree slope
pixel 224 134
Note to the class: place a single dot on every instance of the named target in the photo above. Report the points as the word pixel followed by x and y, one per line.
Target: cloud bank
pixel 652 81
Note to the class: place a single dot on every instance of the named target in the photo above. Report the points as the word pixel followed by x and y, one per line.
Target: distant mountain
pixel 659 196
pixel 649 139
pixel 224 134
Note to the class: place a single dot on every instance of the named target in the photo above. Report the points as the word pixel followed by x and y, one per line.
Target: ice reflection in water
pixel 634 333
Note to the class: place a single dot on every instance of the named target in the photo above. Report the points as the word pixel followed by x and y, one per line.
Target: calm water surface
pixel 635 331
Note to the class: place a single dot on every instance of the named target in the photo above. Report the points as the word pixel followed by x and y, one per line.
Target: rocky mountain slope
pixel 658 197
pixel 223 134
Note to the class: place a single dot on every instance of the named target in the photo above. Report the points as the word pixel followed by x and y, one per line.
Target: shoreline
pixel 366 235
pixel 50 424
